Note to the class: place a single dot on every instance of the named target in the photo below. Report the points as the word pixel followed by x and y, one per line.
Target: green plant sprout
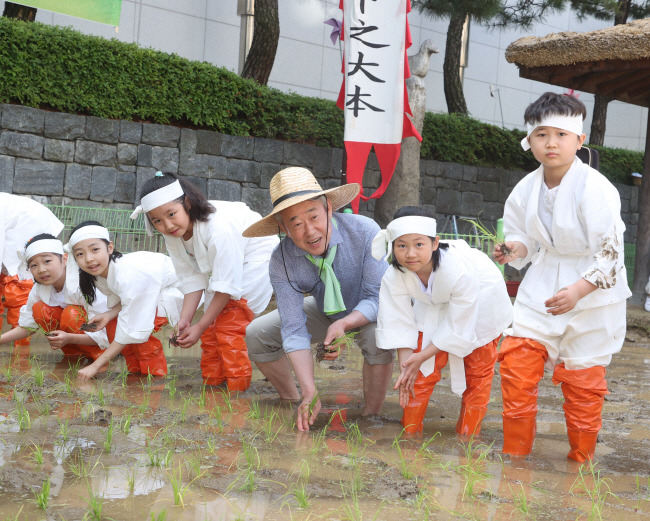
pixel 77 465
pixel 254 412
pixel 405 468
pixel 248 463
pixel 161 515
pixel 43 496
pixel 203 396
pixel 176 480
pixel 171 386
pixel 130 475
pixel 158 458
pixel 125 423
pixel 227 400
pixel 269 429
pixel 95 505
pixel 122 376
pixel 68 383
pixel 43 406
pixel 38 373
pixel 298 490
pixel 108 440
pixel 22 416
pixel 595 487
pixel 345 341
pixel 472 470
pixel 64 431
pixel 7 371
pixel 37 454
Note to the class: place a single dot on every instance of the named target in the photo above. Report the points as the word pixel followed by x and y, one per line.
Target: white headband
pixel 92 231
pixel 41 246
pixel 570 123
pixel 381 244
pixel 157 198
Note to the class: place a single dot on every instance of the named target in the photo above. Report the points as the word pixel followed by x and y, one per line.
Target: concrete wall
pixel 89 161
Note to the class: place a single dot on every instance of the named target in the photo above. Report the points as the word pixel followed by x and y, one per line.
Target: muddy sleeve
pixel 601 214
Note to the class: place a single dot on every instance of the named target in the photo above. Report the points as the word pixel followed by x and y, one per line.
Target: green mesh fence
pixel 630 254
pixel 128 234
pixel 479 242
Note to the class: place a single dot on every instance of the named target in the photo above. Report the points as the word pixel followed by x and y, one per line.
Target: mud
pixel 127 443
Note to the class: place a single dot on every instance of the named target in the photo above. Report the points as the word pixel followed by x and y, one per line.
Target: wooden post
pixel 642 260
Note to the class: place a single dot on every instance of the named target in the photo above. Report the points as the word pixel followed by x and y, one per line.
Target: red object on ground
pixel 15 293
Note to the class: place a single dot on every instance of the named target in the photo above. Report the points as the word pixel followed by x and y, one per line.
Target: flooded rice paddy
pixel 132 448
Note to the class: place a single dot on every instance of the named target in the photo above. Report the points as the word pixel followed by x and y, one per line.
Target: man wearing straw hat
pixel 329 258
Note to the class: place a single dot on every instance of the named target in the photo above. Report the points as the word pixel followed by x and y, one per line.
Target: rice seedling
pixel 16 516
pixel 248 464
pixel 355 445
pixel 203 396
pixel 43 496
pixel 43 406
pixel 108 440
pixel 158 458
pixel 98 395
pixel 187 400
pixel 68 383
pixel 351 508
pixel 472 470
pixel 405 467
pixel 211 444
pixel 161 515
pixel 22 417
pixel 312 404
pixel 299 489
pixel 122 376
pixel 125 423
pixel 146 398
pixel 520 499
pixel 254 412
pixel 227 400
pixel 424 448
pixel 193 464
pixel 7 371
pixel 171 386
pixel 36 454
pixel 38 373
pixel 130 477
pixel 216 416
pixel 77 465
pixel 176 480
pixel 95 506
pixel 339 343
pixel 596 487
pixel 64 431
pixel 642 496
pixel 318 440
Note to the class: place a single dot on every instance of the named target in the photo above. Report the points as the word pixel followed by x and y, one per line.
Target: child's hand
pixel 509 251
pixel 567 298
pixel 182 325
pixel 90 371
pixel 409 373
pixel 189 336
pixel 101 320
pixel 57 339
pixel 405 396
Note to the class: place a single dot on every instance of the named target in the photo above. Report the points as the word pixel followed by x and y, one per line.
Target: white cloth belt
pixel 456 370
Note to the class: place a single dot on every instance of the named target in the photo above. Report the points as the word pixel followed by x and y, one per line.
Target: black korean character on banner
pixel 362 6
pixel 356 101
pixel 359 66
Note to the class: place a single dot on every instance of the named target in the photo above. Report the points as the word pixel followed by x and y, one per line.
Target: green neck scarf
pixel 333 300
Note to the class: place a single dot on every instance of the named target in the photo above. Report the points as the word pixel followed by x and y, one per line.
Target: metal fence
pixel 128 234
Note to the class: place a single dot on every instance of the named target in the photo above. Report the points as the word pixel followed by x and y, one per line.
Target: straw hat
pixel 294 185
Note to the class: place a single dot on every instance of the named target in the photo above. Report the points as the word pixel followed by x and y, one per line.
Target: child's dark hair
pixel 40 237
pixel 553 104
pixel 406 211
pixel 86 280
pixel 199 206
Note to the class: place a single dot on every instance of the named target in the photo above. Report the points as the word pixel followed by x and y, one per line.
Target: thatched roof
pixel 629 41
pixel 614 62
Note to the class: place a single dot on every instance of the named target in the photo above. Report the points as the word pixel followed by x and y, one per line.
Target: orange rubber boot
pixel 231 341
pixel 16 293
pixel 584 393
pixel 522 367
pixel 414 412
pixel 479 372
pixel 132 363
pixel 49 318
pixel 149 354
pixel 71 320
pixel 211 361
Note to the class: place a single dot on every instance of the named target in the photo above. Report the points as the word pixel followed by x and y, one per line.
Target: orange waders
pixel 15 293
pixel 224 355
pixel 147 357
pixel 51 318
pixel 522 367
pixel 479 371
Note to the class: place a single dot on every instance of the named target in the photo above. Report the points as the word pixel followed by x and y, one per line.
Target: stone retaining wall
pixel 89 161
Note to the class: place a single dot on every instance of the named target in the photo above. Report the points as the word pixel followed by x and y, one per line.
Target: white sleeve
pixel 456 333
pixel 396 322
pixel 514 222
pixel 26 317
pixel 139 298
pixel 226 249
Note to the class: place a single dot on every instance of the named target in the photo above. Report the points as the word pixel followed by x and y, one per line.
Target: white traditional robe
pixel 468 307
pixel 71 295
pixel 21 218
pixel 227 261
pixel 145 284
pixel 586 239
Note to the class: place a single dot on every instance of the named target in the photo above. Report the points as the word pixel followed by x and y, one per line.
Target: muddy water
pixel 170 449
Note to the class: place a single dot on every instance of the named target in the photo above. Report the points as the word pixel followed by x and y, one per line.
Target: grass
pixel 227 400
pixel 38 373
pixel 22 417
pixel 473 470
pixel 298 490
pixel 122 376
pixel 37 454
pixel 95 506
pixel 254 412
pixel 43 406
pixel 125 423
pixel 7 371
pixel 64 430
pixel 248 464
pixel 77 465
pixel 596 487
pixel 99 395
pixel 108 440
pixel 171 386
pixel 68 383
pixel 130 475
pixel 203 396
pixel 269 429
pixel 158 458
pixel 43 495
pixel 405 467
pixel 176 480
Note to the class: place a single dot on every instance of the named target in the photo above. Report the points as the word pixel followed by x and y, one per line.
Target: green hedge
pixel 62 69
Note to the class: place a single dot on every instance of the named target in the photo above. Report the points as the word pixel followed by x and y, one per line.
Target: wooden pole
pixel 642 260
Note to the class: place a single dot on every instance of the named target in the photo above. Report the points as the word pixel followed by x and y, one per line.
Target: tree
pixel 493 13
pixel 20 12
pixel 266 33
pixel 620 11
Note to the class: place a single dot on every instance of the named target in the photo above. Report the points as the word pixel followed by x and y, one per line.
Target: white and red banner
pixel 373 95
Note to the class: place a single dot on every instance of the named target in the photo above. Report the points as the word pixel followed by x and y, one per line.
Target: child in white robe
pixel 142 297
pixel 56 304
pixel 442 300
pixel 564 219
pixel 214 261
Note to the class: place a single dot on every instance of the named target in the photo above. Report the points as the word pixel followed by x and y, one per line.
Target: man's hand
pixel 307 412
pixel 509 251
pixel 334 331
pixel 57 339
